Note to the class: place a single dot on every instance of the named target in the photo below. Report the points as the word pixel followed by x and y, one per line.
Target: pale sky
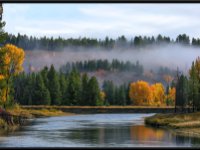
pixel 100 20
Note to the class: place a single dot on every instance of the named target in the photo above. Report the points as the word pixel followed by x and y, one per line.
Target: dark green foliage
pixel 54 86
pixel 73 93
pixel 56 44
pixel 63 86
pixel 85 90
pixel 44 73
pixel 109 89
pixel 116 95
pixel 183 39
pixel 194 87
pixel 41 95
pixel 3 34
pixel 182 92
pixel 94 65
pixel 94 95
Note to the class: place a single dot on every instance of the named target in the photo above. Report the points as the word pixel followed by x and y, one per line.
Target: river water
pixel 94 130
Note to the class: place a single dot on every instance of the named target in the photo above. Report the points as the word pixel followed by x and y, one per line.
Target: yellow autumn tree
pixel 139 93
pixel 157 94
pixel 11 61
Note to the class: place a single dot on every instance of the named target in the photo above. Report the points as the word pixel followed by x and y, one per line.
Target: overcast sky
pixel 100 20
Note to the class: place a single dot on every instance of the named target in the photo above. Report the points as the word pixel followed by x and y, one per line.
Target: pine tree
pixel 108 88
pixel 85 90
pixel 41 93
pixel 54 86
pixel 182 92
pixel 63 86
pixel 94 90
pixel 194 88
pixel 73 93
pixel 3 34
pixel 44 73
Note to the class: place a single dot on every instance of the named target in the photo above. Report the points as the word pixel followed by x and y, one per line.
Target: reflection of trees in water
pixel 142 133
pixel 195 141
pixel 182 140
pixel 187 140
pixel 116 134
pixel 102 135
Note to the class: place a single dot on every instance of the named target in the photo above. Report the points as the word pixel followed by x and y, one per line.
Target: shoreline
pixel 29 114
pixel 183 124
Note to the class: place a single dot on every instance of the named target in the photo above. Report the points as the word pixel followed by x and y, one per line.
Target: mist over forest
pixel 155 54
pixel 171 56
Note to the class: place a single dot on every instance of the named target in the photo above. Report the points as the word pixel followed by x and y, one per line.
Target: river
pixel 94 130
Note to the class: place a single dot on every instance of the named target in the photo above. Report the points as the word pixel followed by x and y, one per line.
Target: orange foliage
pixel 11 59
pixel 141 93
pixel 142 133
pixel 157 94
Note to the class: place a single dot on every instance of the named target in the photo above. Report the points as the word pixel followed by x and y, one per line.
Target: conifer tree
pixel 54 86
pixel 41 93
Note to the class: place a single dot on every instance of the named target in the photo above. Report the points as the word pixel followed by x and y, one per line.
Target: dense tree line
pixel 188 89
pixel 49 87
pixel 116 95
pixel 94 65
pixel 52 44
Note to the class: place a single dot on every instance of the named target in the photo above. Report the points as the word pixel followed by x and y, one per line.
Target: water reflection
pixel 102 130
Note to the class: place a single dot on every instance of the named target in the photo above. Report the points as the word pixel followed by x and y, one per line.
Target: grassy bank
pixel 42 112
pixel 190 120
pixel 183 124
pixel 107 107
pixel 30 113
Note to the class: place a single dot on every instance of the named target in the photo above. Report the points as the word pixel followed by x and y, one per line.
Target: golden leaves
pixel 11 61
pixel 144 94
pixel 139 92
pixel 13 58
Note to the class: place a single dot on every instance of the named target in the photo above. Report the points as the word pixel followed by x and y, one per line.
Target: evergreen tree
pixel 182 93
pixel 194 88
pixel 109 89
pixel 85 90
pixel 44 73
pixel 122 95
pixel 41 94
pixel 94 90
pixel 3 34
pixel 73 93
pixel 54 86
pixel 63 86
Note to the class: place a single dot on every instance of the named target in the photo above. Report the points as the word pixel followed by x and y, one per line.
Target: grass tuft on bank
pixel 176 121
pixel 32 113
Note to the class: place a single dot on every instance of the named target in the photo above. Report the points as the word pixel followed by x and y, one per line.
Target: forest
pixel 72 84
pixel 58 44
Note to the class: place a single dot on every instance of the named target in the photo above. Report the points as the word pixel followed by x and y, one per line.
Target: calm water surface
pixel 95 130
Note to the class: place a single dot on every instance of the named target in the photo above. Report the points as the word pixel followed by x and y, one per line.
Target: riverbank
pixel 29 114
pixel 184 124
pixel 106 109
